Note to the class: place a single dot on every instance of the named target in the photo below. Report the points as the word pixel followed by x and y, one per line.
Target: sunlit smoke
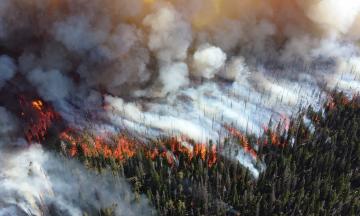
pixel 202 69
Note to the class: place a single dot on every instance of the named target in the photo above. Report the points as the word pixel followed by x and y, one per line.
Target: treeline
pixel 312 168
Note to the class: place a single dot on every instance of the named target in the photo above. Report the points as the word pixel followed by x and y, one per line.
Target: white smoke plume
pixel 179 67
pixel 36 182
pixel 208 61
pixel 169 39
pixel 39 183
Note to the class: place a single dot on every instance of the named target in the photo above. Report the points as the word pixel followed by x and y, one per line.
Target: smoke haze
pixel 36 182
pixel 179 67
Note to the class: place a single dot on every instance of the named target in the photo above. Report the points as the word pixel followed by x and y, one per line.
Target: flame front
pixel 244 142
pixel 122 148
pixel 38 117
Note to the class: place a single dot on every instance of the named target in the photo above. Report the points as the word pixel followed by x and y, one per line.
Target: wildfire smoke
pixel 177 68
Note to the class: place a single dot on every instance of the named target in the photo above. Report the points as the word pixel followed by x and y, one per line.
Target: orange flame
pixel 243 141
pixel 183 145
pixel 123 149
pixel 213 156
pixel 126 148
pixel 37 104
pixel 39 118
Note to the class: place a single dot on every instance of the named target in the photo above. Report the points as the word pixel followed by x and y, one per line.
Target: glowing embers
pixel 38 118
pixel 121 148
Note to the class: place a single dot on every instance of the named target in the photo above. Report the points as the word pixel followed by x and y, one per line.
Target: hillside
pixel 312 168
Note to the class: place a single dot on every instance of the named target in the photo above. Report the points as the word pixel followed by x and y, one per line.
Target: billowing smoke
pixel 36 182
pixel 208 61
pixel 179 67
pixel 7 68
pixel 51 85
pixel 39 183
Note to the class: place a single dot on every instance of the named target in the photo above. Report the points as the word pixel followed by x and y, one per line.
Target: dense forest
pixel 311 167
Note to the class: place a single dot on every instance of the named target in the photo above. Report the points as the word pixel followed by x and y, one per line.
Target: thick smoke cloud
pixel 208 61
pixel 169 39
pixel 39 183
pixel 8 128
pixel 35 182
pixel 179 67
pixel 346 12
pixel 51 85
pixel 7 68
pixel 113 49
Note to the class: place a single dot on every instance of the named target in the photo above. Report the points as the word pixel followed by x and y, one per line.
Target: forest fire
pixel 334 100
pixel 41 116
pixel 184 145
pixel 94 147
pixel 244 142
pixel 274 139
pixel 122 148
pixel 38 118
pixel 179 107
